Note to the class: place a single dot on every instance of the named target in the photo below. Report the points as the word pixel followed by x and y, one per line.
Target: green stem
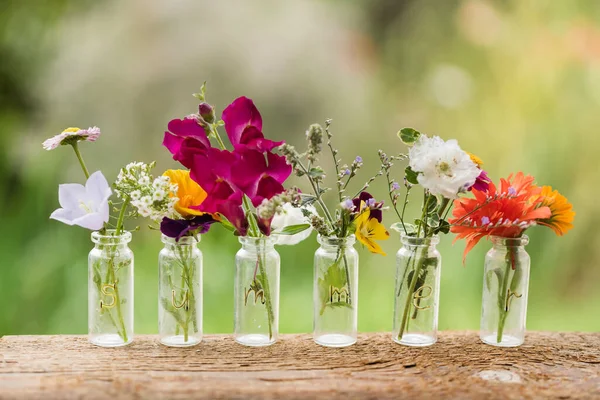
pixel 119 228
pixel 503 294
pixel 318 195
pixel 390 191
pixel 266 289
pixel 75 146
pixel 111 278
pixel 411 290
pixel 443 206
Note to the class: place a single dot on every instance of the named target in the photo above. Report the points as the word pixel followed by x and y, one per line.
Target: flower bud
pixel 207 112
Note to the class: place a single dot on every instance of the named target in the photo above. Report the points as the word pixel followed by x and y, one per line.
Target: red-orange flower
pixel 506 212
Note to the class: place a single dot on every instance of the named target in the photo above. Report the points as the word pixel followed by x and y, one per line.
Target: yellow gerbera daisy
pixel 189 192
pixel 562 211
pixel 369 229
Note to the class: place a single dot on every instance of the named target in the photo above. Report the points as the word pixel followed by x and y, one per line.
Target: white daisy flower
pixel 72 135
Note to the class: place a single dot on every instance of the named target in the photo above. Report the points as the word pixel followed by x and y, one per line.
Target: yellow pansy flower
pixel 370 229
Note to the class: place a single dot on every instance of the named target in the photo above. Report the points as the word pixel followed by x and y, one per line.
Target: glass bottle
pixel 180 292
pixel 417 293
pixel 256 292
pixel 110 290
pixel 505 289
pixel 335 292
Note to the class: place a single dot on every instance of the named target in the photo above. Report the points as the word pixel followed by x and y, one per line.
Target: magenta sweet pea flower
pixel 212 170
pixel 185 139
pixel 243 124
pixel 260 177
pixel 482 183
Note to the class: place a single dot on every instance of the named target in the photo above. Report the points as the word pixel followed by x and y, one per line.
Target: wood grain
pixel 549 365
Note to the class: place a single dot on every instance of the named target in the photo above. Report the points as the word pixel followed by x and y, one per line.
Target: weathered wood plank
pixel 549 365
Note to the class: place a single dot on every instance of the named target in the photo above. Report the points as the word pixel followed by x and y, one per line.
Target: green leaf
pixel 316 172
pixel 397 226
pixel 307 199
pixel 489 276
pixel 293 229
pixel 433 220
pixel 432 204
pixel 226 224
pixel 444 227
pixel 411 176
pixel 408 135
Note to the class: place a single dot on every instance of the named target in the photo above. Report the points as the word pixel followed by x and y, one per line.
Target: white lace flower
pixel 444 168
pixel 71 136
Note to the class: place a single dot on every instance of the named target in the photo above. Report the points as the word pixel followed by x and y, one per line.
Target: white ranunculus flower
pixel 444 168
pixel 289 216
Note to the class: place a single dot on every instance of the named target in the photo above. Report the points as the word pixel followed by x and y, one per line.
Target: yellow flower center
pixel 71 130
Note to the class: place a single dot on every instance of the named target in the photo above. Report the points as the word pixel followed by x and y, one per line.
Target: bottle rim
pixel 510 242
pixel 336 241
pixel 249 240
pixel 419 241
pixel 109 237
pixel 183 241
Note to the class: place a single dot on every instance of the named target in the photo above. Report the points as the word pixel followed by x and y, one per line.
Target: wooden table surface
pixel 548 365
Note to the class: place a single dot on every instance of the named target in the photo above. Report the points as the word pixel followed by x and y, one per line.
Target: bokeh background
pixel 516 82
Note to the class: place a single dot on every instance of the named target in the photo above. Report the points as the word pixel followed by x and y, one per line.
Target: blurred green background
pixel 516 82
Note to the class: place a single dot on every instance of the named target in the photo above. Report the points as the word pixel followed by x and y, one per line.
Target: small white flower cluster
pixel 151 197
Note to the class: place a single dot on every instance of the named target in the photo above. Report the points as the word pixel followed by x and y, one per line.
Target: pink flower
pixel 482 183
pixel 243 124
pixel 72 136
pixel 213 171
pixel 261 177
pixel 185 139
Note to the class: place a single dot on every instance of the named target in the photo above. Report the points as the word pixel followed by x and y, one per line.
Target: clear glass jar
pixel 416 304
pixel 110 290
pixel 256 292
pixel 180 292
pixel 505 289
pixel 335 292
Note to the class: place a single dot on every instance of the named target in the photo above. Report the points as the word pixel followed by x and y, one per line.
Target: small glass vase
pixel 180 292
pixel 256 292
pixel 505 289
pixel 416 305
pixel 110 290
pixel 335 292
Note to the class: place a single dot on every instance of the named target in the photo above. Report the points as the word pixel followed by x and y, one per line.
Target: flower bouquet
pixel 242 189
pixel 503 213
pixel 336 262
pixel 110 263
pixel 444 171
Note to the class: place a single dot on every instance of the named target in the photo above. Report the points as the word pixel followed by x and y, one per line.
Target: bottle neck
pixel 185 241
pixel 109 240
pixel 416 242
pixel 513 244
pixel 334 242
pixel 256 244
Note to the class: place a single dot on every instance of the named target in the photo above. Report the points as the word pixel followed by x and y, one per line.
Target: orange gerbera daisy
pixel 562 216
pixel 506 212
pixel 189 192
